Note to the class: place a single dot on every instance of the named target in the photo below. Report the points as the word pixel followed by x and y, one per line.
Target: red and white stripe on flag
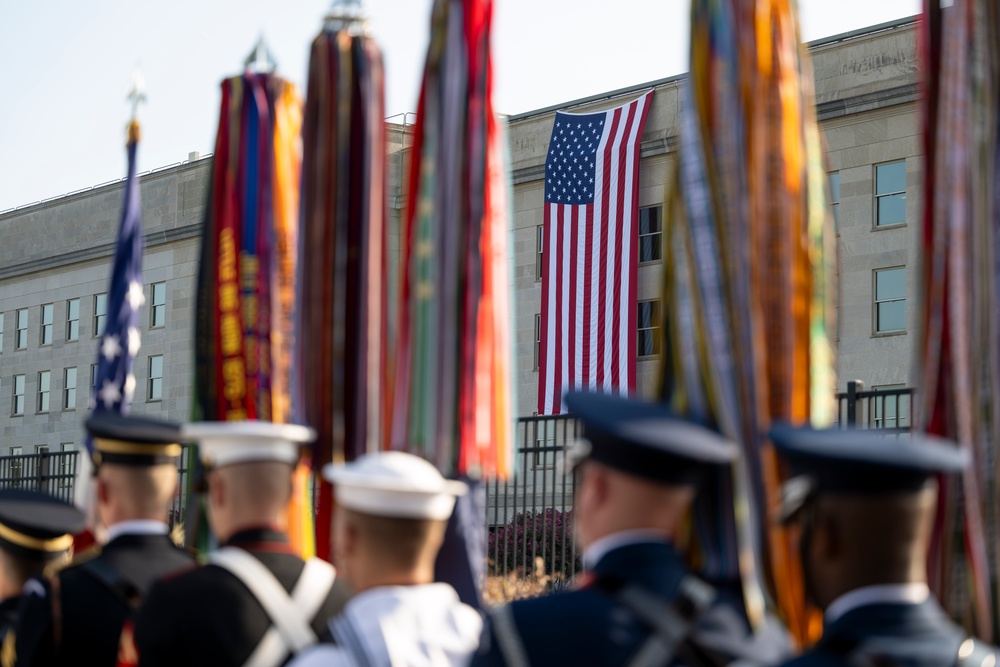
pixel 589 254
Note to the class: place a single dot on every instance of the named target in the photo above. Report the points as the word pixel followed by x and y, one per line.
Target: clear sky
pixel 68 63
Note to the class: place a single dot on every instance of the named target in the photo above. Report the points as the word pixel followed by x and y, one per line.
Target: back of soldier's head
pixel 639 464
pixel 137 459
pixel 36 531
pixel 392 510
pixel 250 465
pixel 865 503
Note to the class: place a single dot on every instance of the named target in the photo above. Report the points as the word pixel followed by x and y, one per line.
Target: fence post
pixel 43 472
pixel 853 414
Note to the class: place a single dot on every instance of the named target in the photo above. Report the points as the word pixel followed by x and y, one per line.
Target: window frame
pixel 20 334
pixel 72 324
pixel 153 305
pixel 834 199
pixel 878 196
pixel 151 379
pixel 43 394
pixel 68 404
pixel 538 340
pixel 658 232
pixel 539 252
pixel 46 311
pixel 97 322
pixel 876 332
pixel 15 395
pixel 657 318
pixel 1 331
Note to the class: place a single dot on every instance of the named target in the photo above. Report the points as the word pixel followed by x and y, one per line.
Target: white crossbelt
pixel 291 630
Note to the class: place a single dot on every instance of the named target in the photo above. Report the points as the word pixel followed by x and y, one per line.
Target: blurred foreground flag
pixel 114 382
pixel 452 398
pixel 590 254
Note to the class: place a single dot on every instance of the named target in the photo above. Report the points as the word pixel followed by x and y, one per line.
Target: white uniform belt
pixel 291 630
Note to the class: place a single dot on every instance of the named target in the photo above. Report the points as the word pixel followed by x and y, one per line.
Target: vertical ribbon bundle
pixel 748 262
pixel 451 380
pixel 957 371
pixel 343 286
pixel 244 329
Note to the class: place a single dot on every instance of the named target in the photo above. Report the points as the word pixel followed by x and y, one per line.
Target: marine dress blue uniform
pixel 637 603
pixel 892 624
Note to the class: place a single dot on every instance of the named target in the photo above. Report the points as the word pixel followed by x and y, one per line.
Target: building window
pixel 1 333
pixel 538 340
pixel 44 382
pixel 100 313
pixel 158 311
pixel 890 194
pixel 22 329
pixel 539 251
pixel 93 377
pixel 835 199
pixel 18 395
pixel 73 319
pixel 69 389
pixel 891 411
pixel 890 300
pixel 650 233
pixel 648 337
pixel 155 391
pixel 41 449
pixel 46 338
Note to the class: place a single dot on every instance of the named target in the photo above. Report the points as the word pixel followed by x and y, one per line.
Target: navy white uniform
pixel 637 603
pixel 418 624
pixel 76 617
pixel 893 624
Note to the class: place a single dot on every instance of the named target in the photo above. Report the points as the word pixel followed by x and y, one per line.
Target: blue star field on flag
pixel 570 163
pixel 114 381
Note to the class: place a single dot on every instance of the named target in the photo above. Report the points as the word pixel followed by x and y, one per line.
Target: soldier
pixel 865 504
pixel 256 602
pixel 77 617
pixel 639 466
pixel 36 533
pixel 391 513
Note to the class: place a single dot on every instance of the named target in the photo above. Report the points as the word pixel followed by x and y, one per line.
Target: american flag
pixel 589 253
pixel 114 382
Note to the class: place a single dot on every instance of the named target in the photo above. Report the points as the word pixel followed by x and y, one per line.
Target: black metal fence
pixel 889 408
pixel 529 518
pixel 55 473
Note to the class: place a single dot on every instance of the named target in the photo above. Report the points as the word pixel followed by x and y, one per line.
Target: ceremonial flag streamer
pixel 244 330
pixel 747 280
pixel 590 250
pixel 957 371
pixel 452 375
pixel 342 291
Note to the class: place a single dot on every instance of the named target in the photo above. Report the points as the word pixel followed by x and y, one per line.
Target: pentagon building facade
pixel 56 254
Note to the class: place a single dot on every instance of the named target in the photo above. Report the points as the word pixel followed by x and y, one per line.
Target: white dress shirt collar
pixel 882 594
pixel 593 554
pixel 137 527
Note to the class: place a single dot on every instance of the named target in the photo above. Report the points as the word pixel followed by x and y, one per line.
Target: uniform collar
pixel 136 527
pixel 593 554
pixel 262 538
pixel 905 594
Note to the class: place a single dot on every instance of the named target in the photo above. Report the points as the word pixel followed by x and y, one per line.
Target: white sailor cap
pixel 225 443
pixel 394 484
